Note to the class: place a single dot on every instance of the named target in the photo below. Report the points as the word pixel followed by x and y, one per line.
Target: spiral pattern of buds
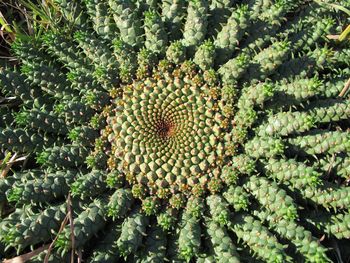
pixel 166 133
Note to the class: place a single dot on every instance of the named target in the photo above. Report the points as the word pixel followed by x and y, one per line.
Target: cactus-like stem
pixel 133 230
pixel 86 225
pixel 257 237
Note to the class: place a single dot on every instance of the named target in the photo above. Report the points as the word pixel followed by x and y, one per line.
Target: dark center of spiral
pixel 165 129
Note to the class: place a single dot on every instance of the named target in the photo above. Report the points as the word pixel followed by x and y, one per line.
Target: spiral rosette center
pixel 166 134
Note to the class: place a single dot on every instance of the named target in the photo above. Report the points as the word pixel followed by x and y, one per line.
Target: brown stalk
pixel 25 257
pixel 69 207
pixel 345 89
pixel 63 224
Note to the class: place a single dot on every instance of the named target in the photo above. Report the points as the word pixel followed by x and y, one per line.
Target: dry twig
pixel 345 89
pixel 63 224
pixel 71 223
pixel 25 257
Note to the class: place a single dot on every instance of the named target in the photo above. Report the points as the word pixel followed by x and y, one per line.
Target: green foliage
pixel 225 250
pixel 119 203
pixel 259 240
pixel 133 228
pixel 86 225
pixel 175 131
pixel 47 187
pixel 89 185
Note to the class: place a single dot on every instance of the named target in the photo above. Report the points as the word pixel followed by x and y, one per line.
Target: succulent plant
pixel 177 131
